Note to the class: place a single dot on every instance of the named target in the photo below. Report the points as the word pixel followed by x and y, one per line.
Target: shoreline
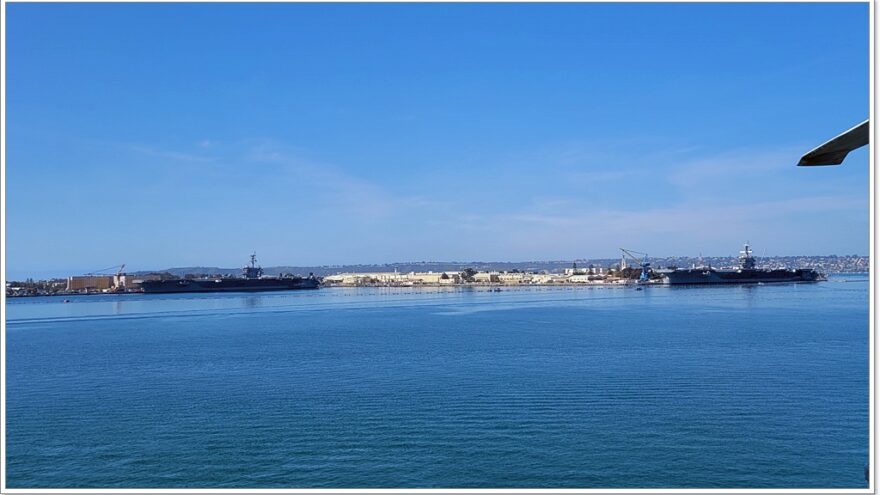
pixel 487 287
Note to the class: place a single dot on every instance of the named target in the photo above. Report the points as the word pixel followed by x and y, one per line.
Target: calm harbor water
pixel 736 387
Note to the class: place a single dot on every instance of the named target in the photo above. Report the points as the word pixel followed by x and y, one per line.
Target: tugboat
pixel 745 274
pixel 252 280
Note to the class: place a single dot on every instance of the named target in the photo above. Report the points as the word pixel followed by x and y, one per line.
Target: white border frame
pixel 872 290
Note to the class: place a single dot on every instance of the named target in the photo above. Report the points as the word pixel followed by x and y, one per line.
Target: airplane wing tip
pixel 835 150
pixel 822 160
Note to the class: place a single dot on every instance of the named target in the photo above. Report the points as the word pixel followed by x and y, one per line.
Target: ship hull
pixel 699 276
pixel 227 285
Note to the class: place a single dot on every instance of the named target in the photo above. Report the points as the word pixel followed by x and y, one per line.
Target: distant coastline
pixel 584 272
pixel 477 286
pixel 827 263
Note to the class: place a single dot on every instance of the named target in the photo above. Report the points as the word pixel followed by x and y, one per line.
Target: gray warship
pixel 252 280
pixel 747 273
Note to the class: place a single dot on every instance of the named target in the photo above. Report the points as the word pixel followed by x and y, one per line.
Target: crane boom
pixel 119 269
pixel 632 254
pixel 646 266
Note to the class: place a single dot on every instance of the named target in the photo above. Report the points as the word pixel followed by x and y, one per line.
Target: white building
pixel 514 278
pixel 487 277
pixel 394 278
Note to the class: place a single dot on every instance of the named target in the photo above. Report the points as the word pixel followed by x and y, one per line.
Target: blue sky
pixel 191 134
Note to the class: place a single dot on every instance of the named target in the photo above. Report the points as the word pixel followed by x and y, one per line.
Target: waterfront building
pixel 131 282
pixel 585 278
pixel 514 278
pixel 90 282
pixel 394 278
pixel 543 278
pixel 487 277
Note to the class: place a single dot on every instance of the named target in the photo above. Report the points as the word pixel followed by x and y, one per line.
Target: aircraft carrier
pixel 747 273
pixel 252 280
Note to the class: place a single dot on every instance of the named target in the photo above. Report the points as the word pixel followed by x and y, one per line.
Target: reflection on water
pixel 447 299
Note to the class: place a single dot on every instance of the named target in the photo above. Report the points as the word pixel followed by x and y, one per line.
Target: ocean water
pixel 727 387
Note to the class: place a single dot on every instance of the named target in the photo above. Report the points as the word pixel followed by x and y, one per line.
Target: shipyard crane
pixel 646 266
pixel 119 270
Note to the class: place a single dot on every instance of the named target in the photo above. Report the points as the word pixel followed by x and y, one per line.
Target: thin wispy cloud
pixel 743 165
pixel 720 226
pixel 687 216
pixel 171 155
pixel 715 198
pixel 358 197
